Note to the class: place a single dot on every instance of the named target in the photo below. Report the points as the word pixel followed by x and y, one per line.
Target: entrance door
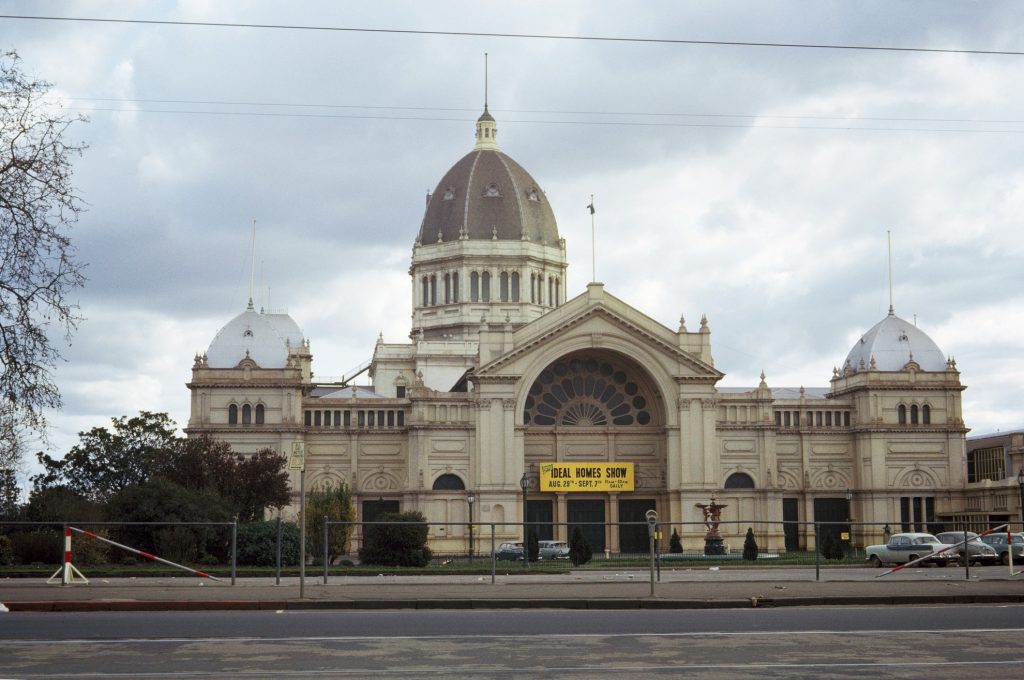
pixel 633 538
pixel 589 516
pixel 791 513
pixel 539 515
pixel 833 510
pixel 374 509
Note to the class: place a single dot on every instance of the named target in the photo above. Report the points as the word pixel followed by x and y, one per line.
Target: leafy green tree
pixel 10 493
pixel 107 461
pixel 261 482
pixel 334 503
pixel 675 545
pixel 38 270
pixel 579 548
pixel 160 500
pixel 400 542
pixel 749 546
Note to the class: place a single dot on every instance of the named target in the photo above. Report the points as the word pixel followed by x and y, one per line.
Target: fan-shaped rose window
pixel 587 392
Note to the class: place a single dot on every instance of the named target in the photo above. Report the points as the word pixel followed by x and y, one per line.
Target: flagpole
pixel 593 243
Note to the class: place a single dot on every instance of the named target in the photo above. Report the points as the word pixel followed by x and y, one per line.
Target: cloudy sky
pixel 752 184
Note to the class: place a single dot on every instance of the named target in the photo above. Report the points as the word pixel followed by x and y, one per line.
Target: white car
pixel 903 548
pixel 553 550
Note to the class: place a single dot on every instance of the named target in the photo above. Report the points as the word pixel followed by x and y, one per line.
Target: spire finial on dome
pixel 888 233
pixel 486 126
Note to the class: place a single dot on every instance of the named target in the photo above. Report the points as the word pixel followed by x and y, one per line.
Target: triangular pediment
pixel 599 320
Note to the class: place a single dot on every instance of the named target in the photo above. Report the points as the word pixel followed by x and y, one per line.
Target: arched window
pixel 474 287
pixel 455 287
pixel 926 414
pixel 449 482
pixel 515 286
pixel 433 289
pixel 426 291
pixel 558 294
pixel 485 287
pixel 246 415
pixel 233 414
pixel 551 291
pixel 533 287
pixel 739 480
pixel 447 288
pixel 913 414
pixel 503 286
pixel 902 414
pixel 259 414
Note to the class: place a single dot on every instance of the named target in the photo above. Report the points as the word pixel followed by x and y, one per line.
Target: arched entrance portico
pixel 595 405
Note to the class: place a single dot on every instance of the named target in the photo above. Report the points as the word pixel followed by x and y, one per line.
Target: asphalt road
pixel 935 642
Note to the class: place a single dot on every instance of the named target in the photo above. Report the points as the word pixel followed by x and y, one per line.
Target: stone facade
pixel 493 385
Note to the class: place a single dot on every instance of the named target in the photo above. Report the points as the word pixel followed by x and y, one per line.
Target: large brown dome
pixel 486 196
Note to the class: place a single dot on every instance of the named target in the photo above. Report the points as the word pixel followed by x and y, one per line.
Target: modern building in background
pixel 507 376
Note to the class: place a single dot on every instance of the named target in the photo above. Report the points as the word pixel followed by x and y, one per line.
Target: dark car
pixel 1000 545
pixel 509 551
pixel 977 551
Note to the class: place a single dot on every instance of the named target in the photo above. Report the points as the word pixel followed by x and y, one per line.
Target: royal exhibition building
pixel 592 409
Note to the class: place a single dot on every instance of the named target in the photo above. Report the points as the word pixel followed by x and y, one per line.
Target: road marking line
pixel 554 636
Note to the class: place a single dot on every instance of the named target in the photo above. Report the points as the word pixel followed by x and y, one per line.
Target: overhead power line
pixel 349 116
pixel 532 36
pixel 658 114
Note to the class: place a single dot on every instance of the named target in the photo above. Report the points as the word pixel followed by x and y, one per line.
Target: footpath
pixel 698 588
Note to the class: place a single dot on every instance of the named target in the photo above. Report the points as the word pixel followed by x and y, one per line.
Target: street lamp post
pixel 469 499
pixel 1020 485
pixel 524 484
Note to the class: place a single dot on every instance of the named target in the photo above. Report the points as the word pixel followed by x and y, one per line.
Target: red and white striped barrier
pixel 932 555
pixel 140 553
pixel 68 570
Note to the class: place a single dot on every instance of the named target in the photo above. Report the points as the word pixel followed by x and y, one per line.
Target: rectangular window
pixel 391 418
pixel 778 419
pixel 370 421
pixel 796 418
pixel 316 418
pixel 846 419
pixel 307 418
pixel 786 419
pixel 348 419
pixel 905 518
pixel 337 418
pixel 361 418
pixel 986 463
pixel 828 418
pixel 401 418
pixel 918 517
pixel 929 512
pixel 400 391
pixel 817 418
pixel 380 418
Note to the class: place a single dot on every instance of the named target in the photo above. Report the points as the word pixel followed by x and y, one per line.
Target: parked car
pixel 999 544
pixel 977 551
pixel 510 551
pixel 553 550
pixel 903 548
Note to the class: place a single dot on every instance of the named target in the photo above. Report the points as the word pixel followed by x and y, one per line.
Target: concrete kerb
pixel 500 603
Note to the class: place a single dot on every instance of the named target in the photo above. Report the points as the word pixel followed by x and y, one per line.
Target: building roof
pixel 487 196
pixel 264 338
pixel 892 343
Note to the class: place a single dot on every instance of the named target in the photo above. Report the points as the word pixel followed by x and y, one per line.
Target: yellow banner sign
pixel 601 476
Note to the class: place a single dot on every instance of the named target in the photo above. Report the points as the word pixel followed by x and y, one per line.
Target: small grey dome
pixel 264 338
pixel 892 343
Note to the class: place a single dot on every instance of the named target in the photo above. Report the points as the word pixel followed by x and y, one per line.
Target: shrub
pixel 334 502
pixel 6 551
pixel 257 544
pixel 831 548
pixel 401 542
pixel 749 546
pixel 43 547
pixel 579 548
pixel 674 544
